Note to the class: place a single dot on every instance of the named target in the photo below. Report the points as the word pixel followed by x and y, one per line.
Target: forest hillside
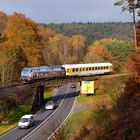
pixel 95 31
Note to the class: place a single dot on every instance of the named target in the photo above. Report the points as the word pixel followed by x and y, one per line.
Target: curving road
pixel 46 121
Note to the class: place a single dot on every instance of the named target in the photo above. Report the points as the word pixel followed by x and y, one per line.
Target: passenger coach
pixel 88 69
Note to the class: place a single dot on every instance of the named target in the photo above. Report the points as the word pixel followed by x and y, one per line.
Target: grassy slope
pixel 97 115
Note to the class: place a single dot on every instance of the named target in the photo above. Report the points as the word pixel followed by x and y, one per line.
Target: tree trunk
pixel 134 22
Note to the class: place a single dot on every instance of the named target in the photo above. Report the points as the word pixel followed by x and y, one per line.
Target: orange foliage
pixel 98 53
pixel 24 32
pixel 12 60
pixel 133 84
pixel 77 46
pixel 109 40
pixel 3 22
pixel 138 34
pixel 126 125
pixel 135 66
pixel 46 33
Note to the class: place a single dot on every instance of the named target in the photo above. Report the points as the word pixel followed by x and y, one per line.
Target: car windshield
pixel 50 103
pixel 24 120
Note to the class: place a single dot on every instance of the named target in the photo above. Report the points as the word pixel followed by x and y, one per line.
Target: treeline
pixel 26 43
pixel 95 31
pixel 121 121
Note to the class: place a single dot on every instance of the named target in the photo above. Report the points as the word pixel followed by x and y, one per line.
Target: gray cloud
pixel 59 11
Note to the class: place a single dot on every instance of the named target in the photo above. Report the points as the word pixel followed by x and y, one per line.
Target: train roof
pixel 86 65
pixel 55 66
pixel 35 67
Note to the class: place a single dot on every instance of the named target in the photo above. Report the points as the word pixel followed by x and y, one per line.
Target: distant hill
pixel 95 31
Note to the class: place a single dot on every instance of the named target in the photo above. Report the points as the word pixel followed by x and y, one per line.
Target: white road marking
pixel 45 119
pixel 65 118
pixel 34 115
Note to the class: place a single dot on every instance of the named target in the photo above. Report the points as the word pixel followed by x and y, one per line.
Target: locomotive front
pixel 26 74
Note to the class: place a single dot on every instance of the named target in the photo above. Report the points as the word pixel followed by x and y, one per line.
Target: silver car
pixel 50 105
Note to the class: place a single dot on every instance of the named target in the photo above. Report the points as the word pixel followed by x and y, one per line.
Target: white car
pixel 50 105
pixel 26 121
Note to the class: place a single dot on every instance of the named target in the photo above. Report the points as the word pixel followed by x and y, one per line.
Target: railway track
pixel 56 81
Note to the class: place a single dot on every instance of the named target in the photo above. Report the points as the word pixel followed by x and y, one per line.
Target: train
pixel 29 74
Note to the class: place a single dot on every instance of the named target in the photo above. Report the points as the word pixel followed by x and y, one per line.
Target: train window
pixel 98 68
pixel 73 70
pixel 107 67
pixel 92 68
pixel 95 68
pixel 101 68
pixel 26 69
pixel 86 69
pixel 67 70
pixel 89 68
pixel 76 69
pixel 80 69
pixel 104 67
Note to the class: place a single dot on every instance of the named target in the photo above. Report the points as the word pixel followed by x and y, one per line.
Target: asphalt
pixel 46 121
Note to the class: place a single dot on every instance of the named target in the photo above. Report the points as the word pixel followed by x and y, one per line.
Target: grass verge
pixel 75 122
pixel 15 114
pixel 97 117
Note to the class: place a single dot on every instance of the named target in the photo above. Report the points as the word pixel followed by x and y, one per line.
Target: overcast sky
pixel 66 11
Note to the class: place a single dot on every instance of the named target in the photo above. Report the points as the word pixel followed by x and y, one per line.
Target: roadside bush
pixel 6 104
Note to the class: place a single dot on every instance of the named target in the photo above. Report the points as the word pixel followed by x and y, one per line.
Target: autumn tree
pixel 45 33
pixel 135 60
pixel 3 23
pixel 12 60
pixel 77 46
pixel 56 48
pixel 121 52
pixel 20 48
pixel 24 32
pixel 127 122
pixel 97 53
pixel 51 49
pixel 138 33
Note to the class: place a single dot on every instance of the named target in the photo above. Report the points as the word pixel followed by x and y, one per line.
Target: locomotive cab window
pixel 26 69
